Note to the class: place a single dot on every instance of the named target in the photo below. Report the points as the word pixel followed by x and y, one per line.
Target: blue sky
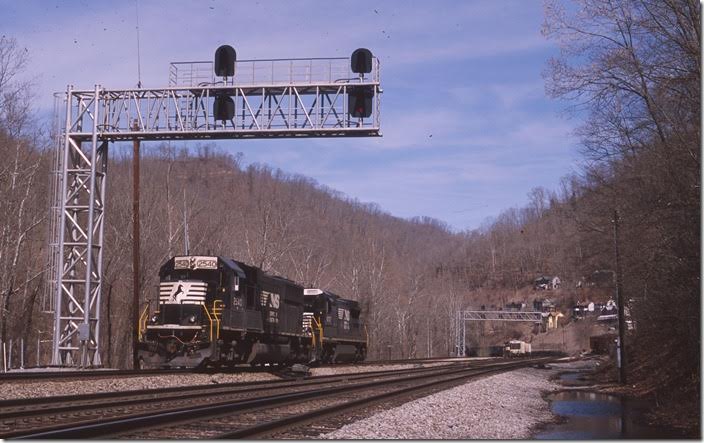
pixel 466 72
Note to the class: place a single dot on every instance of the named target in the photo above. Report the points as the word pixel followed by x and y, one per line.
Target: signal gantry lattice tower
pixel 283 98
pixel 482 316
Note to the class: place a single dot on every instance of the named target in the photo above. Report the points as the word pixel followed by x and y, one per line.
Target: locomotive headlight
pixel 155 318
pixel 192 319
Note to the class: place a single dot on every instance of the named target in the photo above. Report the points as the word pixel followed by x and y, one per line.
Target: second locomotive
pixel 215 311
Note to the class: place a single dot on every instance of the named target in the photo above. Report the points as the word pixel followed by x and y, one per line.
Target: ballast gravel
pixel 503 406
pixel 332 370
pixel 45 388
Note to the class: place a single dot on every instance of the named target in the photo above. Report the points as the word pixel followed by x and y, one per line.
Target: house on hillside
pixel 583 309
pixel 609 312
pixel 543 305
pixel 551 319
pixel 610 307
pixel 579 311
pixel 546 283
pixel 542 282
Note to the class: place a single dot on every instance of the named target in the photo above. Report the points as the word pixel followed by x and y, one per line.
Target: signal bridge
pixel 316 97
pixel 511 316
pixel 271 98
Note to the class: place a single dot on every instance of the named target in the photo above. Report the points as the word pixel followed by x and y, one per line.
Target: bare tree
pixel 22 206
pixel 634 66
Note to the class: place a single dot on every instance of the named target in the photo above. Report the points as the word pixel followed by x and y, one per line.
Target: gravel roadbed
pixel 503 406
pixel 370 368
pixel 47 388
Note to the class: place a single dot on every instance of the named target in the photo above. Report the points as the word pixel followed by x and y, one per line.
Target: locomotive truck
pixel 216 311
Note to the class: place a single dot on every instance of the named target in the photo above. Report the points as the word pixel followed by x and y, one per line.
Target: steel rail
pixel 119 426
pixel 269 428
pixel 18 408
pixel 111 427
pixel 46 404
pixel 81 374
pixel 31 375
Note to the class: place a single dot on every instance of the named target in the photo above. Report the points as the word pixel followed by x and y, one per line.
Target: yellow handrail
pixel 142 325
pixel 319 325
pixel 217 307
pixel 210 320
pixel 217 310
pixel 214 317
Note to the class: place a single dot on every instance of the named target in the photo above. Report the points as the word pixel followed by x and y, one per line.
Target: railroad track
pixel 111 373
pixel 87 373
pixel 325 414
pixel 31 376
pixel 235 410
pixel 19 416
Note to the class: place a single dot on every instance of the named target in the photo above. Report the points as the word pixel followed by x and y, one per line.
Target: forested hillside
pixel 287 225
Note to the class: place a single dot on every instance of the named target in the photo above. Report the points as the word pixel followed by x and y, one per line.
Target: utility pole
pixel 135 248
pixel 620 349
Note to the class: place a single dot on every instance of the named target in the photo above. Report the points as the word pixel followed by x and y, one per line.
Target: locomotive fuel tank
pixel 345 353
pixel 269 353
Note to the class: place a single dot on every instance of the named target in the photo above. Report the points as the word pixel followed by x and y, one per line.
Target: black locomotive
pixel 215 311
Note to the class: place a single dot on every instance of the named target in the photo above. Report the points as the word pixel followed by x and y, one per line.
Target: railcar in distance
pixel 517 348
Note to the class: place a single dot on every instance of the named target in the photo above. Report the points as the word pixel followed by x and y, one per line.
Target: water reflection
pixel 599 416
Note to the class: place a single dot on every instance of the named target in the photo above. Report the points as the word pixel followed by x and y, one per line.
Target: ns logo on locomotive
pixel 215 311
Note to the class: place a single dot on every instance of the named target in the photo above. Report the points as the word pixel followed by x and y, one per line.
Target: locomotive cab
pixel 193 291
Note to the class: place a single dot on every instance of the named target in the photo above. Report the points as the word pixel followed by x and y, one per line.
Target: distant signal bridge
pixel 510 316
pixel 283 98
